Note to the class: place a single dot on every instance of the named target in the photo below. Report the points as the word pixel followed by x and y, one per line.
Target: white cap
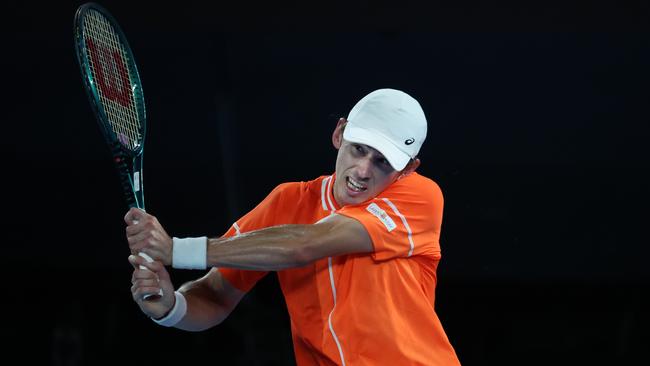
pixel 390 121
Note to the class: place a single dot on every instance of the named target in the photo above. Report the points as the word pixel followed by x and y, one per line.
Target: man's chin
pixel 349 197
pixel 355 199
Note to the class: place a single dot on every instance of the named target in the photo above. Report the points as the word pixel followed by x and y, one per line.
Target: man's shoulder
pixel 415 183
pixel 413 191
pixel 296 202
pixel 300 188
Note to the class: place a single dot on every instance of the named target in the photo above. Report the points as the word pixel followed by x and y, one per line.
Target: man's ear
pixel 410 168
pixel 337 135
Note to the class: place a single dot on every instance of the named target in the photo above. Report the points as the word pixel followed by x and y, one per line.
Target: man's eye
pixel 384 162
pixel 358 148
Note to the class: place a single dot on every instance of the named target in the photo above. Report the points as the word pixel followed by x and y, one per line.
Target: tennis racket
pixel 113 85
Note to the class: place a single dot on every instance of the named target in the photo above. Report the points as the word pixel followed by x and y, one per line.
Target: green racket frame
pixel 127 155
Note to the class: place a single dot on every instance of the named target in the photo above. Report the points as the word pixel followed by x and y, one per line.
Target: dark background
pixel 538 128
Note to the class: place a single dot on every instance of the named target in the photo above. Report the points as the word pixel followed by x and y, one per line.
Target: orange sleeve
pixel 260 217
pixel 404 220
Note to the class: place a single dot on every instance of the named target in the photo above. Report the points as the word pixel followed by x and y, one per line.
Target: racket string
pixel 115 88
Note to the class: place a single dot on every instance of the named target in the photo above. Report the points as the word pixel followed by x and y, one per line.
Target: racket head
pixel 111 78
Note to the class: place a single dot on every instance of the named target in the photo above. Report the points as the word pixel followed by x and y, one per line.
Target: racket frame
pixel 129 162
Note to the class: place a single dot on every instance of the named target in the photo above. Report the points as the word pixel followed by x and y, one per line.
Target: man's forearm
pixel 269 249
pixel 204 308
pixel 289 246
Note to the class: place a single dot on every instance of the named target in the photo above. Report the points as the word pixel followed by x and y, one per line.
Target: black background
pixel 538 122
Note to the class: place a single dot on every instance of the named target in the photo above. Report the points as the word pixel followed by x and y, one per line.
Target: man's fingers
pixel 142 225
pixel 130 216
pixel 137 261
pixel 143 274
pixel 163 274
pixel 137 241
pixel 140 292
pixel 133 215
pixel 150 282
pixel 134 261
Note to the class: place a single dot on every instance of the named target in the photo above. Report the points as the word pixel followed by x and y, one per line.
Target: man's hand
pixel 148 282
pixel 145 234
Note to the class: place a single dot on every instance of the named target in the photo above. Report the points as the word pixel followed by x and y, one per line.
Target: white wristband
pixel 176 313
pixel 190 253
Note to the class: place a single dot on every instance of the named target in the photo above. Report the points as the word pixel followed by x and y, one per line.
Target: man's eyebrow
pixel 377 153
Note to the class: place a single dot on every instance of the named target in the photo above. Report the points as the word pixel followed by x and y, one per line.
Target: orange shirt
pixel 361 309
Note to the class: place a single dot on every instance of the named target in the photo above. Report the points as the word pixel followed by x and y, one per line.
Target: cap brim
pixel 396 157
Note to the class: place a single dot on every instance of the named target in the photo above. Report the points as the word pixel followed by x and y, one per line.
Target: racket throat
pixel 130 175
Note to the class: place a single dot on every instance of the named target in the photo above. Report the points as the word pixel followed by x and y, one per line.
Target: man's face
pixel 361 173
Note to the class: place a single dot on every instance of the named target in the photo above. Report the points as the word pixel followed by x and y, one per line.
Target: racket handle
pixel 150 296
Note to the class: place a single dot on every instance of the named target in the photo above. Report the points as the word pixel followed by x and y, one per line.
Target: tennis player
pixel 355 252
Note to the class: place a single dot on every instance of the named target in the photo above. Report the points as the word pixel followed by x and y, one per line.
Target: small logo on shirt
pixel 382 216
pixel 409 141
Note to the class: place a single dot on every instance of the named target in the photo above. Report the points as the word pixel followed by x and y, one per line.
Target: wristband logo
pixel 409 141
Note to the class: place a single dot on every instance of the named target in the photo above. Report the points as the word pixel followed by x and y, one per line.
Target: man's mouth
pixel 355 185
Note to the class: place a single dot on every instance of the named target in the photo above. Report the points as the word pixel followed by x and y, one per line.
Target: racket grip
pixel 149 259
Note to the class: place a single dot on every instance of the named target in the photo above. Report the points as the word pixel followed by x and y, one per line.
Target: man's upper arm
pixel 338 235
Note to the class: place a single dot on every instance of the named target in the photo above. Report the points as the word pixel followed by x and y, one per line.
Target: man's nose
pixel 364 168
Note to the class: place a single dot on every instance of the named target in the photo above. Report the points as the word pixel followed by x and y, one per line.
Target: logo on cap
pixel 409 141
